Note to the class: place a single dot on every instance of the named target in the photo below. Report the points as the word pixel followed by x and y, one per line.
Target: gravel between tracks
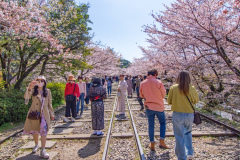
pixel 205 148
pixel 122 148
pixel 86 128
pixel 141 120
pixel 122 127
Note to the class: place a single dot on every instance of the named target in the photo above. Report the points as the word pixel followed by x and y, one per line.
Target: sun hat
pixel 71 78
pixel 41 77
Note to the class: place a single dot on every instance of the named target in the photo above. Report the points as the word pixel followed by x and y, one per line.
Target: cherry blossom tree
pixel 199 36
pixel 25 33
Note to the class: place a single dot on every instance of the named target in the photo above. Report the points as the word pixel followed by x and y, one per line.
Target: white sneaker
pixel 190 157
pixel 72 119
pixel 79 117
pixel 65 120
pixel 35 149
pixel 44 154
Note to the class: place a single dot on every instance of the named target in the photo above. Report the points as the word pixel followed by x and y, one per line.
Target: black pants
pixel 140 102
pixel 71 106
pixel 134 87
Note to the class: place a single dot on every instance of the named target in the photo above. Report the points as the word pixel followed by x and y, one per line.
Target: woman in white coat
pixel 122 88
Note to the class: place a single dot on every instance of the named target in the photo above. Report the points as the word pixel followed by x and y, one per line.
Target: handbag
pixel 34 115
pixel 119 94
pixel 70 98
pixel 197 119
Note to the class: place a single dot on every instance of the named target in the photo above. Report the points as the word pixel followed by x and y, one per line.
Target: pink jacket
pixel 153 91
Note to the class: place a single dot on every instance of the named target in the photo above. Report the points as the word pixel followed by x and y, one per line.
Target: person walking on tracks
pixel 122 91
pixel 39 114
pixel 109 86
pixel 82 91
pixel 183 114
pixel 153 91
pixel 71 95
pixel 88 85
pixel 97 93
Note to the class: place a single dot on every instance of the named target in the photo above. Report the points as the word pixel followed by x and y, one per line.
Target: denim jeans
pixel 81 99
pixel 137 90
pixel 182 128
pixel 161 118
pixel 109 88
pixel 87 99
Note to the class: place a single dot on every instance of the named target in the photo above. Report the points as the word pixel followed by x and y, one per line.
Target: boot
pixel 152 146
pixel 162 144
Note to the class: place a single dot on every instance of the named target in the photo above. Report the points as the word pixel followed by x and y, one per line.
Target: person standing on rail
pixel 41 103
pixel 183 114
pixel 71 95
pixel 140 98
pixel 122 89
pixel 82 91
pixel 130 86
pixel 153 91
pixel 138 81
pixel 97 93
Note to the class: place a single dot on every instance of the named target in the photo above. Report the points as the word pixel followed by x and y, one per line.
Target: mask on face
pixel 41 84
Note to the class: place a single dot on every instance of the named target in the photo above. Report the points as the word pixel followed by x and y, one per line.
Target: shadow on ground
pixel 91 148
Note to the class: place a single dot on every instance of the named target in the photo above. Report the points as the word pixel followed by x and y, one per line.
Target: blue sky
pixel 118 23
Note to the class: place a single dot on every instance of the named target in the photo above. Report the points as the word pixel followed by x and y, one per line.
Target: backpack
pixel 109 83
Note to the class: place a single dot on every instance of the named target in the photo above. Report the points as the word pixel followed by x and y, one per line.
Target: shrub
pixel 12 102
pixel 57 90
pixel 12 106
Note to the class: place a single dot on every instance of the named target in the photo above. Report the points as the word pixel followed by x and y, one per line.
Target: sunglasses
pixel 40 80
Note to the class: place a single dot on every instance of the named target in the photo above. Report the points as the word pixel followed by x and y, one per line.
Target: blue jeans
pixel 87 99
pixel 182 128
pixel 81 99
pixel 137 90
pixel 161 118
pixel 109 88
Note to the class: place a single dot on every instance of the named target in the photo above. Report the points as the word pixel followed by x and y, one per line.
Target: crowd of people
pixel 148 88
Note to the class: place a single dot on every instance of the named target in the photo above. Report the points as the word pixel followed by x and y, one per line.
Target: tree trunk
pixel 26 73
pixel 229 62
pixel 44 65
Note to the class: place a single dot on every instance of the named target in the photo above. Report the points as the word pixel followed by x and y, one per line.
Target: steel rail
pixel 105 153
pixel 236 131
pixel 140 150
pixel 19 131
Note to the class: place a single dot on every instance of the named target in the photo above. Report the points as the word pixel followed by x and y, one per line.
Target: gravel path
pixel 123 149
pixel 10 147
pixel 86 128
pixel 122 127
pixel 220 148
pixel 141 123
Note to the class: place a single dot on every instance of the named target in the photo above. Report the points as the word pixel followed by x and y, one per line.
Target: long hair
pixel 183 82
pixel 35 92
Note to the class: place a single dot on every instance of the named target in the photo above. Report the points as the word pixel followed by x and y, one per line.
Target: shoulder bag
pixel 34 115
pixel 197 119
pixel 70 98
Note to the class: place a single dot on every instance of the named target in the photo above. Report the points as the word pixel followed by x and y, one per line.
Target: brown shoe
pixel 152 146
pixel 162 144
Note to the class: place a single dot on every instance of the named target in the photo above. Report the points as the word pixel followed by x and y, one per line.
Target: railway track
pixel 123 139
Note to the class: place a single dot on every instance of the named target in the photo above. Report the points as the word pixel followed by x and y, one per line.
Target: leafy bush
pixel 12 102
pixel 57 90
pixel 12 106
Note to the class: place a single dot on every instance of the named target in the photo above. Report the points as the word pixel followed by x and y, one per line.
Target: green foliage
pixel 57 90
pixel 12 107
pixel 2 83
pixel 124 63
